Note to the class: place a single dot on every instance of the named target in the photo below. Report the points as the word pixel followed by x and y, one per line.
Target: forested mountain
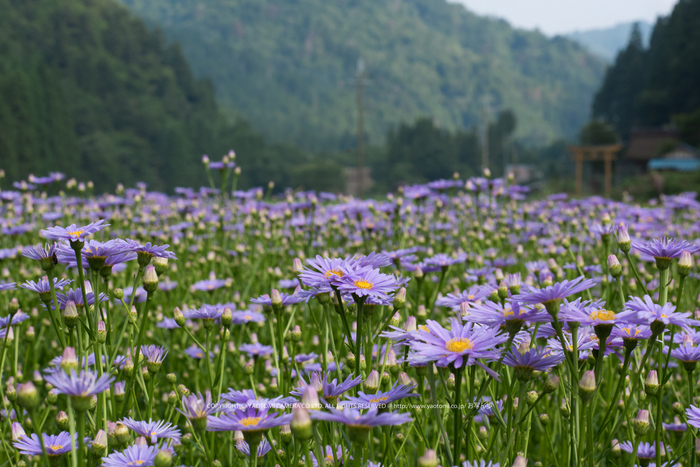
pixel 608 42
pixel 86 88
pixel 290 66
pixel 653 86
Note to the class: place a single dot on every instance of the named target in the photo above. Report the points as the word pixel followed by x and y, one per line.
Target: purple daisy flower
pixel 693 414
pixel 585 341
pixel 332 456
pixel 246 398
pixel 196 407
pixel 324 272
pixel 148 250
pixel 497 314
pixel 552 295
pixel 136 454
pixel 354 419
pixel 263 448
pixel 19 317
pixel 85 384
pixel 209 285
pixel 7 286
pixel 666 248
pixel 381 398
pixel 444 261
pixel 77 297
pixel 41 253
pixel 588 313
pixel 43 287
pixel 153 430
pixel 461 345
pixel 287 299
pixel 481 463
pixel 532 360
pixel 195 352
pixel 168 323
pixel 631 332
pixel 248 419
pixel 329 390
pixel 651 312
pixel 55 445
pixel 686 352
pixel 474 294
pixel 243 317
pixel 73 233
pixel 368 283
pixel 154 353
pixel 257 349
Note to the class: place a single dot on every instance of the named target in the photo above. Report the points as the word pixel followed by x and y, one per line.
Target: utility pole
pixel 360 127
pixel 485 110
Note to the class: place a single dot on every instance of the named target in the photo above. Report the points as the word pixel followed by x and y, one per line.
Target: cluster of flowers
pixel 453 323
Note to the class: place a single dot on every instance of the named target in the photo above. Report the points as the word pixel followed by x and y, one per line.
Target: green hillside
pixel 86 88
pixel 289 66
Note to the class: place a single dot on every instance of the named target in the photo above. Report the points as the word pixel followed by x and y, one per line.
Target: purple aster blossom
pixel 19 317
pixel 168 323
pixel 141 294
pixel 373 260
pixel 354 419
pixel 211 312
pixel 552 295
pixel 324 272
pixel 497 314
pixel 153 430
pixel 444 261
pixel 381 398
pixel 7 286
pixel 256 350
pixel 248 316
pixel 136 454
pixel 585 341
pixel 368 283
pixel 263 448
pixel 288 283
pixel 55 445
pixel 397 254
pixel 196 407
pixel 481 463
pixel 77 297
pixel 149 250
pixel 687 352
pixel 461 345
pixel 631 332
pixel 594 313
pixel 85 384
pixel 247 398
pixel 332 456
pixel 287 299
pixel 208 285
pixel 329 390
pixel 654 313
pixel 474 294
pixel 73 233
pixel 195 352
pixel 154 353
pixel 693 415
pixel 248 419
pixel 43 287
pixel 645 451
pixel 94 253
pixel 666 248
pixel 41 253
pixel 532 360
pixel 56 363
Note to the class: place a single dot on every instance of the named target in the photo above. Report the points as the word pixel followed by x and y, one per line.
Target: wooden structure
pixel 607 153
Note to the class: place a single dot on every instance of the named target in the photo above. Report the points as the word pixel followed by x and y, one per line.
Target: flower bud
pixel 121 433
pixel 640 425
pixel 616 450
pixel 310 399
pixel 163 459
pixel 27 396
pixel 160 264
pixel 678 408
pixel 297 266
pixel 70 314
pixel 52 398
pixel 587 385
pixel 13 307
pixel 29 334
pixel 99 444
pixel 531 397
pixel 614 266
pixel 685 263
pixel 17 431
pixel 179 317
pixel 623 238
pixel 69 361
pixel 520 461
pixel 150 279
pixel 544 419
pixel 371 384
pixel 118 294
pixel 301 423
pixel 295 334
pixel 503 290
pixel 651 384
pixel 400 299
pixel 428 459
pixel 101 332
pixel 564 409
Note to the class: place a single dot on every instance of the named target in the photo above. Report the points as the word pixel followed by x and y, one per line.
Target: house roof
pixel 647 143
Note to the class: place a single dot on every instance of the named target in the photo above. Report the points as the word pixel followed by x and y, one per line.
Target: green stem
pixel 457 412
pixel 636 274
pixel 137 352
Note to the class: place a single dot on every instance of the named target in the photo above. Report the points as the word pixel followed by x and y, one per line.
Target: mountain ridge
pixel 289 66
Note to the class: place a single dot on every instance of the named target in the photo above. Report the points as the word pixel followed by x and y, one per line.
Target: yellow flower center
pixel 459 344
pixel 55 447
pixel 629 332
pixel 379 399
pixel 250 421
pixel 76 232
pixel 136 462
pixel 602 315
pixel 334 272
pixel 247 317
pixel 508 312
pixel 423 327
pixel 363 284
pixel 664 315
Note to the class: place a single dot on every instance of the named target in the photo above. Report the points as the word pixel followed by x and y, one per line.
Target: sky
pixel 564 16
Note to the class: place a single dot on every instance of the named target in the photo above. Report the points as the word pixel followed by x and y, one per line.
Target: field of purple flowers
pixel 456 323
